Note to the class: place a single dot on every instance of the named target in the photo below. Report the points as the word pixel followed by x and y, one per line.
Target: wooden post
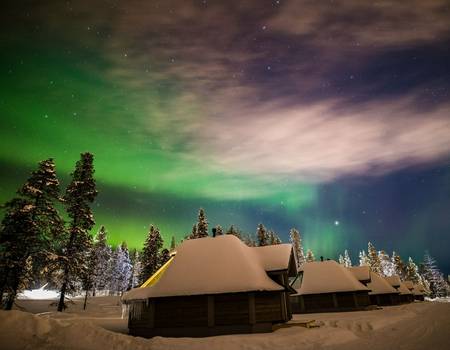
pixel 335 302
pixel 251 308
pixel 211 314
pixel 378 300
pixel 283 306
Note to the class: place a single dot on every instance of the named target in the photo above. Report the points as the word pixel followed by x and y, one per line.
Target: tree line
pixel 426 273
pixel 38 243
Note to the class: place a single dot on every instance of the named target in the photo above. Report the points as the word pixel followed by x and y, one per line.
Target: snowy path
pixel 415 326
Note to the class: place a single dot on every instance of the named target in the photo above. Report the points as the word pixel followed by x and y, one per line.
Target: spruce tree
pixel 310 256
pixel 261 236
pixel 103 253
pixel 297 247
pixel 386 265
pixel 347 260
pixel 124 269
pixel 194 232
pixel 173 244
pixel 164 256
pixel 374 261
pixel 202 224
pixel 150 255
pixel 341 260
pixel 136 270
pixel 28 231
pixel 412 271
pixel 87 275
pixel 363 259
pixel 80 193
pixel 430 271
pixel 18 236
pixel 398 265
pixel 233 231
pixel 219 230
pixel 249 240
pixel 273 238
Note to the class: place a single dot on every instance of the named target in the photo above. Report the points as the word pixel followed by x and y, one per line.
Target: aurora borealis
pixel 331 117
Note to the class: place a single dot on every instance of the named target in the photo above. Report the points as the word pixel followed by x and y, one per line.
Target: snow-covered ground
pixel 424 325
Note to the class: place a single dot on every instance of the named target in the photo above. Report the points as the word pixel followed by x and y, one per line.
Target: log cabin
pixel 405 295
pixel 361 273
pixel 215 286
pixel 327 286
pixel 417 290
pixel 381 292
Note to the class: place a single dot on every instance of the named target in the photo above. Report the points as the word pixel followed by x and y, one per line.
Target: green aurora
pixel 221 107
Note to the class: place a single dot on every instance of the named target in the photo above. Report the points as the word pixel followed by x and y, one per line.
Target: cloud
pixel 196 77
pixel 323 142
pixel 347 23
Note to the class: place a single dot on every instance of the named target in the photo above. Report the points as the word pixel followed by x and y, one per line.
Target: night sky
pixel 330 116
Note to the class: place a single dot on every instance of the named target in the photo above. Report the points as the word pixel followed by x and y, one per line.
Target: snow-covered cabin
pixel 417 290
pixel 361 273
pixel 327 286
pixel 405 295
pixel 381 291
pixel 215 286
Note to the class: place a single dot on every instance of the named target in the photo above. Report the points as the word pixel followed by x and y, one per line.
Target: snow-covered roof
pixel 362 273
pixel 223 264
pixel 403 289
pixel 274 257
pixel 418 289
pixel 409 284
pixel 378 285
pixel 327 277
pixel 394 281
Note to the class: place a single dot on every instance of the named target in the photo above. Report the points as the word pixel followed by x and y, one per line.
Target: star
pixel 336 223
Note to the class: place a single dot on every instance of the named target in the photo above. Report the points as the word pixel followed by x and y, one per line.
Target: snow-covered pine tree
pixel 80 193
pixel 103 252
pixel 137 267
pixel 347 260
pixel 126 269
pixel 261 236
pixel 43 190
pixel 233 231
pixel 202 224
pixel 398 265
pixel 194 232
pixel 219 230
pixel 310 256
pixel 164 256
pixel 430 271
pixel 88 274
pixel 173 244
pixel 412 271
pixel 28 231
pixel 297 246
pixel 114 270
pixel 273 238
pixel 150 254
pixel 374 261
pixel 387 267
pixel 363 259
pixel 18 231
pixel 341 259
pixel 249 240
